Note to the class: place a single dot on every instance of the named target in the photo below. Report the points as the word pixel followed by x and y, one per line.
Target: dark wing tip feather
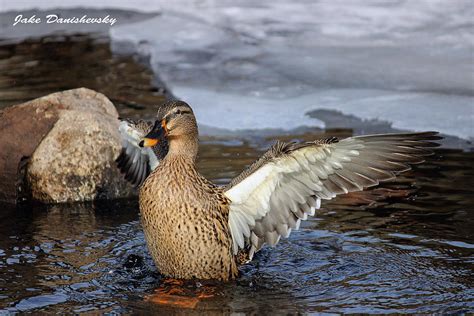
pixel 133 162
pixel 134 172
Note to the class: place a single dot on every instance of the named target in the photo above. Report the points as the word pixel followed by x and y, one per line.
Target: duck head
pixel 175 122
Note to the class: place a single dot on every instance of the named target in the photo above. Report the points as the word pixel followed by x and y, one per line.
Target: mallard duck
pixel 195 229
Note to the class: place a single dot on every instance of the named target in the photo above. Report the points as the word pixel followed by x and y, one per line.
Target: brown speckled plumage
pixel 184 215
pixel 185 223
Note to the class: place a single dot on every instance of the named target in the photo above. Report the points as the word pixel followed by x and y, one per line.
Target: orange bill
pixel 148 142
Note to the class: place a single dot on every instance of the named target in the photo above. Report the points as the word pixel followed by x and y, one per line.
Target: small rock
pixel 133 261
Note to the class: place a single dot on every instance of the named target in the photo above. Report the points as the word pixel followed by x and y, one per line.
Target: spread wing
pixel 134 161
pixel 288 182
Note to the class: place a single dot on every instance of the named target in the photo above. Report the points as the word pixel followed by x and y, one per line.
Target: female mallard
pixel 195 229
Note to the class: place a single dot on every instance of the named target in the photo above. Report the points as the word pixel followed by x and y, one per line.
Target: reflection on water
pixel 412 251
pixel 37 67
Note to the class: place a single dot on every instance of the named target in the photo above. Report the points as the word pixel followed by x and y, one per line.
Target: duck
pixel 195 229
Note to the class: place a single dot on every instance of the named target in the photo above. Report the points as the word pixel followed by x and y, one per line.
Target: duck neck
pixel 184 147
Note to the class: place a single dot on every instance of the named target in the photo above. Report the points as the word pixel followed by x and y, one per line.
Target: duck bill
pixel 157 133
pixel 148 142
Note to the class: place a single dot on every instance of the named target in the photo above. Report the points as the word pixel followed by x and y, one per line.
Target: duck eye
pixel 178 111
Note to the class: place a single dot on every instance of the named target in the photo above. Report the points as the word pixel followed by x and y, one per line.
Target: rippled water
pixel 412 251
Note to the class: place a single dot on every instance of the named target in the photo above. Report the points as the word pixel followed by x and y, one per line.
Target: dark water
pixel 410 252
pixel 37 67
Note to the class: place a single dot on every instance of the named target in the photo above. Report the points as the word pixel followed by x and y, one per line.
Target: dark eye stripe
pixel 178 112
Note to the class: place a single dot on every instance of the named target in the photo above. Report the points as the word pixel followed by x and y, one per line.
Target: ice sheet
pixel 246 64
pixel 448 114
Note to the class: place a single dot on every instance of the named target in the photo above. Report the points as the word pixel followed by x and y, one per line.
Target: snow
pixel 243 65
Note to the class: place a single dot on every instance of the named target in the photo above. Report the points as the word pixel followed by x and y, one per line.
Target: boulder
pixel 22 128
pixel 75 159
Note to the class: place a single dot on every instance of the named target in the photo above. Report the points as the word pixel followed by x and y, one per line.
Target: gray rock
pixel 75 161
pixel 22 128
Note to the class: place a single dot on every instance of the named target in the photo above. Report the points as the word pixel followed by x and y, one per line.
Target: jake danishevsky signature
pixel 54 18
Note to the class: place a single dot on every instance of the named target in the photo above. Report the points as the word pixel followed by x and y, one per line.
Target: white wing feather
pixel 272 200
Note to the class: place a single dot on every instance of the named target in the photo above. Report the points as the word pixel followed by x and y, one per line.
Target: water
pixel 36 67
pixel 410 252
